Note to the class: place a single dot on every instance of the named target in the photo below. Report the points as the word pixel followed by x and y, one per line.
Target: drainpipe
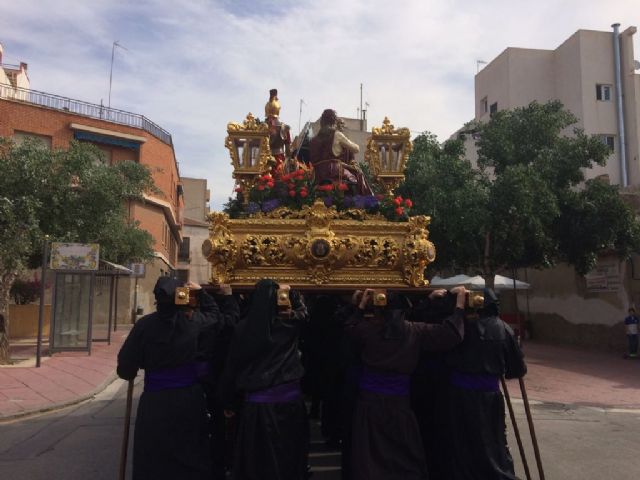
pixel 618 74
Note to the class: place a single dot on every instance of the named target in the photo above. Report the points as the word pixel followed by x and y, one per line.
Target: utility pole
pixel 302 102
pixel 361 111
pixel 113 51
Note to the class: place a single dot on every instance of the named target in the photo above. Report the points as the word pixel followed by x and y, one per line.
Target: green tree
pixel 531 205
pixel 71 196
pixel 442 184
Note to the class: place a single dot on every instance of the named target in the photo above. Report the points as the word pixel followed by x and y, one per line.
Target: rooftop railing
pixel 86 109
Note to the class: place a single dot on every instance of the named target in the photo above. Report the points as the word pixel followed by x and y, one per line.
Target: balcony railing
pixel 83 108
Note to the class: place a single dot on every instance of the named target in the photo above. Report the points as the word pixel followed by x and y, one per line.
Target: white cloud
pixel 192 66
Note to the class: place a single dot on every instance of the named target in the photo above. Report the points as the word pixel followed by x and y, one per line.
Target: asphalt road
pixel 83 442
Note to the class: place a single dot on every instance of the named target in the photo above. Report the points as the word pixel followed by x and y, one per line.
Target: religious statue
pixel 279 133
pixel 332 155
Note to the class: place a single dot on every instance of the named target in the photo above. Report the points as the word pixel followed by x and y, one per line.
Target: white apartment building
pixel 593 73
pixel 583 74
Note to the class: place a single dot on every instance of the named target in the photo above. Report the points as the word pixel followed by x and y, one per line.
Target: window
pixel 183 253
pixel 40 140
pixel 603 92
pixel 609 141
pixel 484 106
pixel 493 108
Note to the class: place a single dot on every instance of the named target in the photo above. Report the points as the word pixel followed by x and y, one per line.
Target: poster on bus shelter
pixel 74 256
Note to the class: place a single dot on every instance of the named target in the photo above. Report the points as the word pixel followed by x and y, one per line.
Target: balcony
pixel 85 109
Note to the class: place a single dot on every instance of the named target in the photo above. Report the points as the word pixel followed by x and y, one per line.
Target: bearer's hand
pixel 225 289
pixel 437 293
pixel 367 297
pixel 229 413
pixel 461 295
pixel 193 285
pixel 356 297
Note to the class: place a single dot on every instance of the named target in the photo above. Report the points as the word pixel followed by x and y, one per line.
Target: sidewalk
pixel 557 374
pixel 571 375
pixel 63 379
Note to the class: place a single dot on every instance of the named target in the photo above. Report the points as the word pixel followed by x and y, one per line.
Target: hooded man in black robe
pixel 430 381
pixel 171 439
pixel 216 347
pixel 475 430
pixel 264 365
pixel 386 442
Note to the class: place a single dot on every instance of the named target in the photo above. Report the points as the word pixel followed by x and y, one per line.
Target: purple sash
pixel 285 392
pixel 385 383
pixel 176 377
pixel 202 368
pixel 475 381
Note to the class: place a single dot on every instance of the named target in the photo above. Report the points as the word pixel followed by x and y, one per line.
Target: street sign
pixel 74 256
pixel 138 269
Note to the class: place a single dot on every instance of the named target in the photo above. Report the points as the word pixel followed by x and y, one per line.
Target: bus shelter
pixel 106 299
pixel 74 266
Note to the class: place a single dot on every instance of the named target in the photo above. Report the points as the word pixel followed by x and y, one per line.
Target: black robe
pixel 475 429
pixel 429 382
pixel 272 438
pixel 216 348
pixel 171 439
pixel 386 442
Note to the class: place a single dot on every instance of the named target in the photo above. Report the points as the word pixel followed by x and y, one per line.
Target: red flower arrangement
pixel 395 209
pixel 296 189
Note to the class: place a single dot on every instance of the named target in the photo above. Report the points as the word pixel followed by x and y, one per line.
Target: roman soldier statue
pixel 279 133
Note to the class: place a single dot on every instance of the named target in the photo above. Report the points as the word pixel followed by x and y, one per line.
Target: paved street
pixel 79 442
pixel 83 442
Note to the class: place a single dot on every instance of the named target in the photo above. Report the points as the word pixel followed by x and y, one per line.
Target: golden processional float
pixel 296 224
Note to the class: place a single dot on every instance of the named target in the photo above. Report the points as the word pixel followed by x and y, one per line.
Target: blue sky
pixel 194 65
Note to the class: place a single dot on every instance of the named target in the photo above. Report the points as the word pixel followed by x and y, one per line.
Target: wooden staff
pixel 516 430
pixel 527 409
pixel 125 437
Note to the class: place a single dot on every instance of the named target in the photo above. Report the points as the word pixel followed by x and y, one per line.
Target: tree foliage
pixel 444 185
pixel 527 204
pixel 71 196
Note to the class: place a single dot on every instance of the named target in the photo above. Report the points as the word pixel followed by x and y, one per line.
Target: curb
pixel 575 406
pixel 58 406
pixel 111 378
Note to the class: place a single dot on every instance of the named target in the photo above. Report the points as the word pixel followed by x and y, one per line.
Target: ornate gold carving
pixel 220 248
pixel 319 247
pixel 418 251
pixel 258 250
pixel 376 252
pixel 250 125
pixel 387 152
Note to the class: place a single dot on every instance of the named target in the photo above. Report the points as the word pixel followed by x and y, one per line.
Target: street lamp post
pixel 45 257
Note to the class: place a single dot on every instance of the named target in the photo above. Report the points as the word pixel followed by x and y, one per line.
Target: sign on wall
pixel 74 256
pixel 137 269
pixel 605 277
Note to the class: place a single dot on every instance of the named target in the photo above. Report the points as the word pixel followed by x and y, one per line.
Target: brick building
pixel 56 121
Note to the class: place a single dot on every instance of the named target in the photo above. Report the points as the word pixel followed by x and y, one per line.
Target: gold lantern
pixel 387 152
pixel 248 145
